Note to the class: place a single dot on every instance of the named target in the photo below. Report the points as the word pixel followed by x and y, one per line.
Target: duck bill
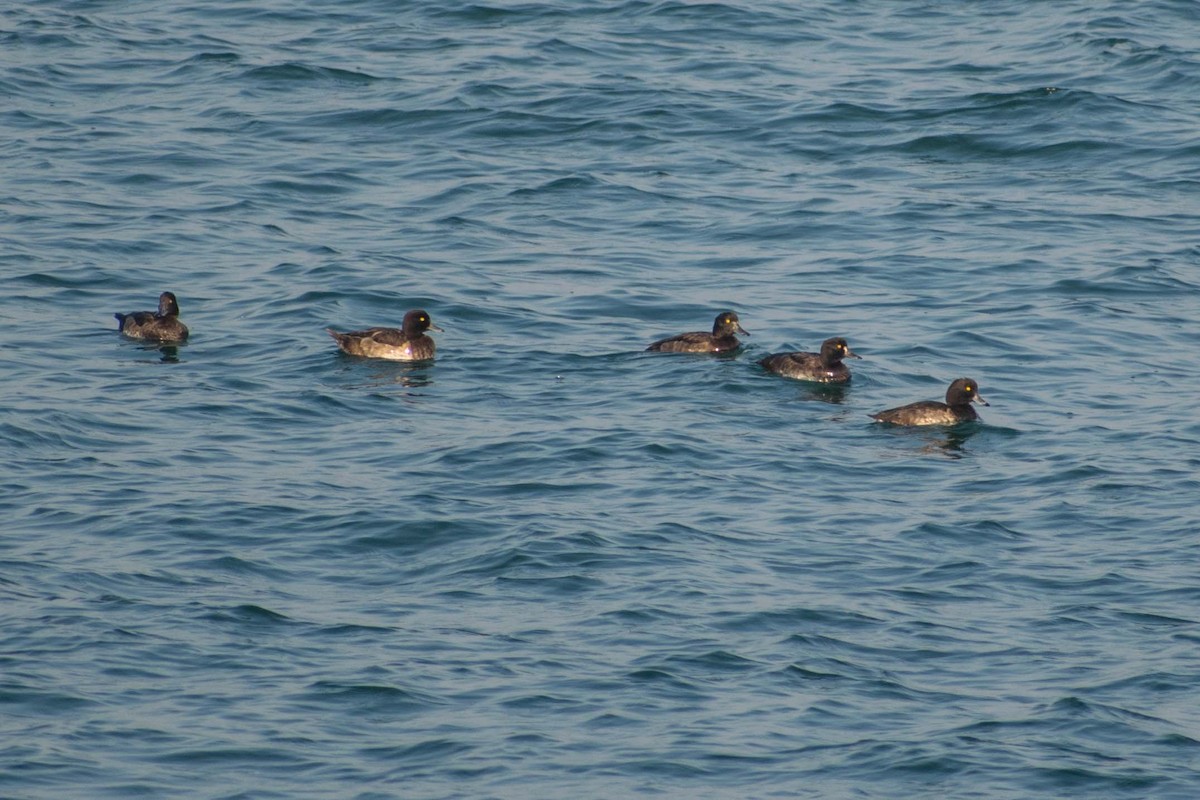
pixel 742 330
pixel 851 354
pixel 979 399
pixel 433 327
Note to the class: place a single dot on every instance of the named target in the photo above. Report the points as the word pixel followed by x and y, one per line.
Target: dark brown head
pixel 963 392
pixel 835 349
pixel 168 306
pixel 726 324
pixel 416 323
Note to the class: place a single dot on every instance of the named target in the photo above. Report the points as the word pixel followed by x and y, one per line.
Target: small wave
pixel 292 72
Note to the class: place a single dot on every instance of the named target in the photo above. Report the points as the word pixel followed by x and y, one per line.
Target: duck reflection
pixel 170 354
pixel 950 442
pixel 167 353
pixel 832 393
pixel 383 374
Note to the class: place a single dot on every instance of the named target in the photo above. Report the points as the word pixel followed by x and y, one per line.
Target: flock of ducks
pixel 410 343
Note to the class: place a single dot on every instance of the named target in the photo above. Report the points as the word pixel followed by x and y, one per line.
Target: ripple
pixel 547 558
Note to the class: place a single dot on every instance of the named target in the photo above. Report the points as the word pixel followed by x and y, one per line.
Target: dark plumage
pixel 957 407
pixel 408 343
pixel 721 339
pixel 163 326
pixel 823 367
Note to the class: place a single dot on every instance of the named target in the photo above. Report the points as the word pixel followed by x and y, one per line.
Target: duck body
pixel 823 367
pixel 408 343
pixel 956 409
pixel 162 326
pixel 722 339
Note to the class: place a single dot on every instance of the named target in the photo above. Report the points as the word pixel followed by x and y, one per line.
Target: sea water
pixel 549 564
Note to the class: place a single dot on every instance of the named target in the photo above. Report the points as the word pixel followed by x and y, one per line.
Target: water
pixel 549 564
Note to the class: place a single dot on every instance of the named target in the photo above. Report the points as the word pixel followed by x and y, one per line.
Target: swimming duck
pixel 957 407
pixel 408 343
pixel 823 367
pixel 163 326
pixel 722 338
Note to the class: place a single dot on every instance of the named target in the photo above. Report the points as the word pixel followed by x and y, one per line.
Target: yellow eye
pixel 968 388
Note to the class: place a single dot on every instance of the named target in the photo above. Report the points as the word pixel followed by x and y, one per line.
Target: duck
pixel 721 340
pixel 823 367
pixel 163 325
pixel 407 343
pixel 957 408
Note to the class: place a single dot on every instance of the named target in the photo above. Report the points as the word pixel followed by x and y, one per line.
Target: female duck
pixel 957 407
pixel 722 338
pixel 163 326
pixel 408 343
pixel 823 367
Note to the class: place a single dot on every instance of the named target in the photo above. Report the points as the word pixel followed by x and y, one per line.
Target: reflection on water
pixel 938 440
pixel 951 441
pixel 380 373
pixel 834 393
pixel 168 353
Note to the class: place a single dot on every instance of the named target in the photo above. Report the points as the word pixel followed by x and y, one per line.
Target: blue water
pixel 549 564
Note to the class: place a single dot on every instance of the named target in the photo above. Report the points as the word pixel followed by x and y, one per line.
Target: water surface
pixel 547 563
